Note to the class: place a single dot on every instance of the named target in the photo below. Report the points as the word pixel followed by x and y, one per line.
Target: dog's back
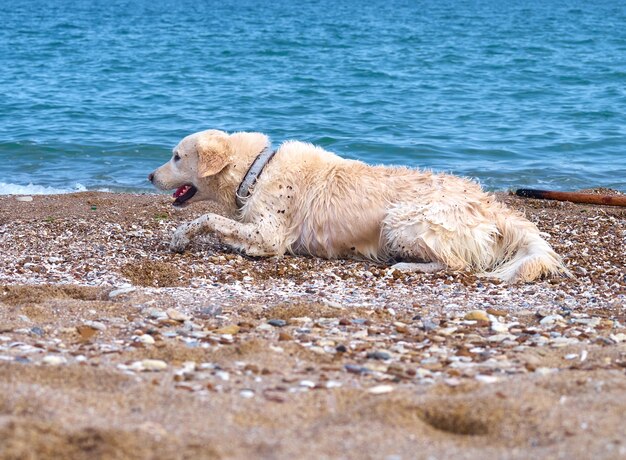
pixel 346 208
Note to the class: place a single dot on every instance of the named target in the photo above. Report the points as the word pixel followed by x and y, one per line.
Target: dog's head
pixel 199 160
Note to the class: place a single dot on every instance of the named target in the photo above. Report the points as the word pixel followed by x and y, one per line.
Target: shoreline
pixel 352 357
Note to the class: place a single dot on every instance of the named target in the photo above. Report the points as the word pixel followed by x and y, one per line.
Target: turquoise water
pixel 94 94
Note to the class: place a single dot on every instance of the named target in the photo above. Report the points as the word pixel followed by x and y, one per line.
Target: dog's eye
pixel 176 157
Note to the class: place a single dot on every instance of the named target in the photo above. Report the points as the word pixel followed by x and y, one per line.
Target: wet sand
pixel 113 347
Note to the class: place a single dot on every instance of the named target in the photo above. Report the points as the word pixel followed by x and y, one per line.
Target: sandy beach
pixel 111 346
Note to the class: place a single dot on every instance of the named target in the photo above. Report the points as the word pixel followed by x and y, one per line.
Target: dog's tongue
pixel 180 191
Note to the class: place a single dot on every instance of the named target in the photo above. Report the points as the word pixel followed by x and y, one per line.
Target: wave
pixel 32 189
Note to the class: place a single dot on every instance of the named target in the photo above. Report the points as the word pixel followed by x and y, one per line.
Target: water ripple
pixel 513 94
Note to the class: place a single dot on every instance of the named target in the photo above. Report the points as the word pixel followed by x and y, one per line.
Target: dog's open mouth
pixel 184 193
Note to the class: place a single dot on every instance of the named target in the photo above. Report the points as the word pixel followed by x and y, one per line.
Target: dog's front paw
pixel 180 241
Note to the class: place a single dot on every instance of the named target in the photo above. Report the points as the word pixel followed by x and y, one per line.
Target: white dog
pixel 304 200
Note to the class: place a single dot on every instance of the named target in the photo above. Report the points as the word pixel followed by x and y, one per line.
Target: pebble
pixel 618 338
pixel 380 389
pixel 54 360
pixel 37 331
pixel 24 198
pixel 230 330
pixel 545 371
pixel 277 322
pixel 583 355
pixel 429 325
pixel 176 315
pixel 151 365
pixel 246 394
pixel 497 326
pixel 284 336
pixel 121 291
pixel 448 330
pixel 355 369
pixel 145 339
pixel 476 315
pixel 155 313
pixel 500 337
pixel 551 320
pixel 563 342
pixel 225 376
pixel 97 325
pixel 487 378
pixel 382 355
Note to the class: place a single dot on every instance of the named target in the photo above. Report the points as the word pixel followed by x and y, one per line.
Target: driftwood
pixel 574 197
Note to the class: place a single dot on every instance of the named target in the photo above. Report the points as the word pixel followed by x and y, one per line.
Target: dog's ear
pixel 214 153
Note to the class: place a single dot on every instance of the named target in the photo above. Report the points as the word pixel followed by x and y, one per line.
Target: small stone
pixel 307 383
pixel 331 304
pixel 497 326
pixel 476 315
pixel 155 313
pixel 177 315
pixel 284 336
pixel 246 394
pixel 382 355
pixel 551 320
pixel 487 378
pixel 544 371
pixel 500 338
pixel 355 369
pixel 277 322
pixel 362 334
pixel 210 311
pixel 380 389
pixel 153 365
pixel 230 330
pixel 121 291
pixel 494 312
pixel 24 198
pixel 559 342
pixel 146 339
pixel 225 376
pixel 429 325
pixel 341 349
pixel 97 325
pixel 86 332
pixel 448 330
pixel 618 338
pixel 400 327
pixel 333 384
pixel 54 360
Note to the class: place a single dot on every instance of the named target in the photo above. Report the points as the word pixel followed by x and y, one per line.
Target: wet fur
pixel 310 201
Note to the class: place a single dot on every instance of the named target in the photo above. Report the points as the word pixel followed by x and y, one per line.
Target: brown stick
pixel 574 197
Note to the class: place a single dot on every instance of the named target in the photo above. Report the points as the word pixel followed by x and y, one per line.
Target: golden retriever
pixel 309 201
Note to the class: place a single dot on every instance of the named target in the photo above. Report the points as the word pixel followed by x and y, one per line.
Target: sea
pixel 94 94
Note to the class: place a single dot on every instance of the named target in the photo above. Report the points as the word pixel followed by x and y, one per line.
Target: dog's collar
pixel 254 171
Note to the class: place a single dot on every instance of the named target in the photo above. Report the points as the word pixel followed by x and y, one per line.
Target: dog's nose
pixel 151 177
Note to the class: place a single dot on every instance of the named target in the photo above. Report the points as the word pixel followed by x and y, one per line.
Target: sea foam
pixel 32 189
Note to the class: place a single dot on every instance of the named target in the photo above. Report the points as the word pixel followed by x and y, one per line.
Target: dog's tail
pixel 522 253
